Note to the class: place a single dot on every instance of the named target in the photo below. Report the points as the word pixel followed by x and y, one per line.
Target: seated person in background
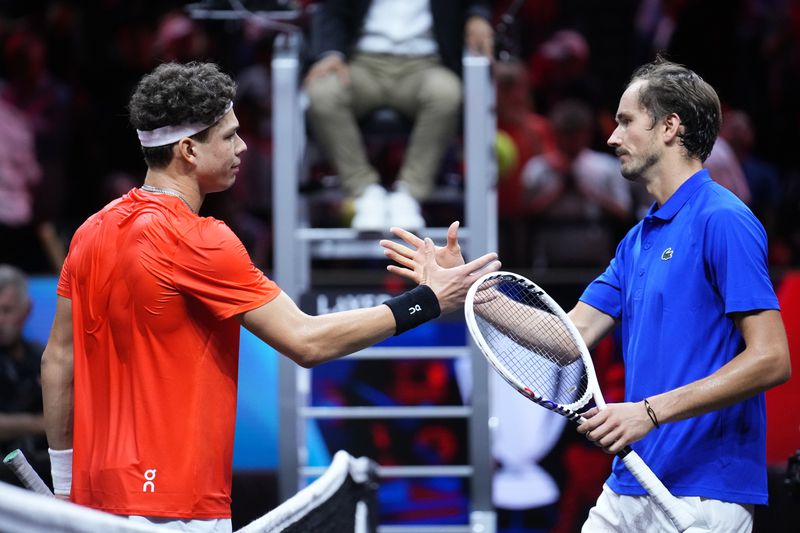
pixel 521 134
pixel 578 193
pixel 399 53
pixel 28 238
pixel 21 420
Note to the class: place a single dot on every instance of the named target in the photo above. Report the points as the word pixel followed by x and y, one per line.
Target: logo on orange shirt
pixel 149 476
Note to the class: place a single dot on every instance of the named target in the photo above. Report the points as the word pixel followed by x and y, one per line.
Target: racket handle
pixel 17 462
pixel 679 512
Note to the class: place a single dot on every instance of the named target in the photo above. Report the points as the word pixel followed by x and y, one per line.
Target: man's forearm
pixel 57 378
pixel 763 364
pixel 58 396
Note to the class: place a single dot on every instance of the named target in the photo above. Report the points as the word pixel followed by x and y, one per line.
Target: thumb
pixel 452 236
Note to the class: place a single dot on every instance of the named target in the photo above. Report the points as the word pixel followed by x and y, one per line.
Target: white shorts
pixel 618 513
pixel 213 525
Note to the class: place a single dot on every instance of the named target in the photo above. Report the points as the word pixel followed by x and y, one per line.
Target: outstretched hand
pixel 447 256
pixel 442 268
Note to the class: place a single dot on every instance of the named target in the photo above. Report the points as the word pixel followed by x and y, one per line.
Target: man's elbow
pixel 786 370
pixel 309 354
pixel 56 360
pixel 780 366
pixel 304 360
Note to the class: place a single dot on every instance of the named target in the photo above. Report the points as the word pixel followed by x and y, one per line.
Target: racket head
pixel 545 358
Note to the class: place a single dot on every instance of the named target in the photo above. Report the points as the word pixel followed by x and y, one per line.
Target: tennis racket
pixel 19 464
pixel 531 342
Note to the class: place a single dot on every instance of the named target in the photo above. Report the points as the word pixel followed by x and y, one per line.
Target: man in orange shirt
pixel 140 371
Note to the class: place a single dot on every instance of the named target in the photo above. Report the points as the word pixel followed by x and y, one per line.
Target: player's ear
pixel 186 149
pixel 672 127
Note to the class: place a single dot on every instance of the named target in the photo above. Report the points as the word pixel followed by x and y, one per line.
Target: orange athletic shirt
pixel 155 290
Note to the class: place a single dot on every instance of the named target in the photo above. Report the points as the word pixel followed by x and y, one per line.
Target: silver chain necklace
pixel 168 192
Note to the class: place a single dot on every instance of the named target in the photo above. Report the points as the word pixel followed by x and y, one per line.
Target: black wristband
pixel 413 308
pixel 651 413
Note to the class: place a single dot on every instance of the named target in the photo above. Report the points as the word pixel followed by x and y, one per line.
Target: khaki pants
pixel 418 87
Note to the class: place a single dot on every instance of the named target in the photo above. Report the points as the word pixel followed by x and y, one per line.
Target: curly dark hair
pixel 673 88
pixel 175 94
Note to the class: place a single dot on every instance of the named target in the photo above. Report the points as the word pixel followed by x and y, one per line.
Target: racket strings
pixel 531 342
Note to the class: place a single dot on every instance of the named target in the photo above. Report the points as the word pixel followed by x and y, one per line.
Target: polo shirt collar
pixel 680 196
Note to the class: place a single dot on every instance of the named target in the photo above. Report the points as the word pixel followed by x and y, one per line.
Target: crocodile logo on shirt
pixel 666 255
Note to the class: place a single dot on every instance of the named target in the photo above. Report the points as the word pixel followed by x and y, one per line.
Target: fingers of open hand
pixel 411 261
pixel 404 261
pixel 407 236
pixel 426 261
pixel 485 263
pixel 394 250
pixel 405 272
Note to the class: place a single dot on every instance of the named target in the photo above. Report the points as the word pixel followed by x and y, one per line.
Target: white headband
pixel 170 134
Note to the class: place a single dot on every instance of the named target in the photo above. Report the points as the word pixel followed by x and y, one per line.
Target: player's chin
pixel 224 184
pixel 231 179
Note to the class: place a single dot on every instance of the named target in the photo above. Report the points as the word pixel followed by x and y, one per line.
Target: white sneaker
pixel 370 210
pixel 404 210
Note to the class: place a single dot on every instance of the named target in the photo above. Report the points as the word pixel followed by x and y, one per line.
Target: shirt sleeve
pixel 64 287
pixel 213 266
pixel 736 259
pixel 605 292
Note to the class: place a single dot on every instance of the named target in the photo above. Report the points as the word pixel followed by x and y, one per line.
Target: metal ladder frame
pixel 296 244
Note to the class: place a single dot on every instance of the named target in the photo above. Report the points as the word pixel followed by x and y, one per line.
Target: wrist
pixel 413 308
pixel 61 470
pixel 651 414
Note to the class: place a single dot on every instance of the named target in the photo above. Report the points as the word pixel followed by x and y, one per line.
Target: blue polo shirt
pixel 675 280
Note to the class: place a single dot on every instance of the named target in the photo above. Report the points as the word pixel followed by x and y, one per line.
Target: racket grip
pixel 17 462
pixel 679 512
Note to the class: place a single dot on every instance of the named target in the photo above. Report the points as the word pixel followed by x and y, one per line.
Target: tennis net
pixel 342 499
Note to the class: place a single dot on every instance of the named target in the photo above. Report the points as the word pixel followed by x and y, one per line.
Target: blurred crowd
pixel 68 67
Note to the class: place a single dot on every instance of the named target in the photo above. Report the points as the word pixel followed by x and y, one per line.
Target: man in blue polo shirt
pixel 701 328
